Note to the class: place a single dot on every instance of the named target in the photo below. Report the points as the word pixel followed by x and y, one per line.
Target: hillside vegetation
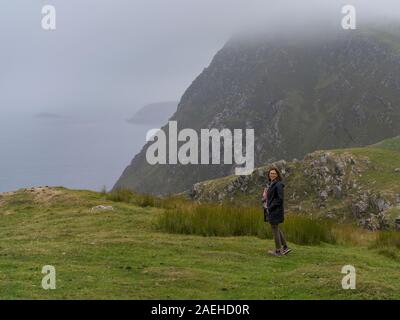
pixel 359 185
pixel 125 254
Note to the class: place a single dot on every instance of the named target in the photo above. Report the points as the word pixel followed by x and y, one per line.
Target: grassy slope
pixel 390 144
pixel 385 157
pixel 119 254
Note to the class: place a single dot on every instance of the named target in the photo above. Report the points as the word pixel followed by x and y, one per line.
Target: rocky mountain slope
pixel 361 184
pixel 299 94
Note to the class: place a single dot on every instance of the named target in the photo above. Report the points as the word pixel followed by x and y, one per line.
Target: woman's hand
pixel 264 194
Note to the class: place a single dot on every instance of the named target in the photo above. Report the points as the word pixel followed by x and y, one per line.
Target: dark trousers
pixel 278 237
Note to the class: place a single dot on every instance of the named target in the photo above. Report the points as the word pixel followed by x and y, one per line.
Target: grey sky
pixel 113 56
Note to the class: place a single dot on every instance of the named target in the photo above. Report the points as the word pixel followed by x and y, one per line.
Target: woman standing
pixel 274 211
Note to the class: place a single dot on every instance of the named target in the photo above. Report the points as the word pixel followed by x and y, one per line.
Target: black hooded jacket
pixel 275 196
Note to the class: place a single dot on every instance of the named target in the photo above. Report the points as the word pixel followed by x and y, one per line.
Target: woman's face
pixel 273 175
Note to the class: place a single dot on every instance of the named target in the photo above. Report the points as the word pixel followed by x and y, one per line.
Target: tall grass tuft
pixel 120 195
pixel 350 234
pixel 387 239
pixel 226 220
pixel 147 200
pixel 301 229
pixel 213 220
pixel 210 219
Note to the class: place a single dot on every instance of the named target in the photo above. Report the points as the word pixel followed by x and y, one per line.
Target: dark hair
pixel 278 178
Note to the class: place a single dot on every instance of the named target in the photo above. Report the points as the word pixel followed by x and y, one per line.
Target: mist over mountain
pixel 49 115
pixel 299 93
pixel 154 113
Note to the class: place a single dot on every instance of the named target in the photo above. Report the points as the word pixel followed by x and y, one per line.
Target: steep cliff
pixel 299 94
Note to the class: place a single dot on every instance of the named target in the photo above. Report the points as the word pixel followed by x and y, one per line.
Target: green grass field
pixel 120 254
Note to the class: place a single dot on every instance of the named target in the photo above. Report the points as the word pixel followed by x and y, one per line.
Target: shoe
pixel 276 253
pixel 286 250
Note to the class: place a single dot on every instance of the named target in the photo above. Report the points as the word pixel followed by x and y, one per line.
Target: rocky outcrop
pixel 370 210
pixel 324 182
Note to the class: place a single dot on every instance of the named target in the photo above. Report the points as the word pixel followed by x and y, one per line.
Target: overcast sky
pixel 113 56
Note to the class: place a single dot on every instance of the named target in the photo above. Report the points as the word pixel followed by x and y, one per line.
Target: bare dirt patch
pixel 4 196
pixel 38 194
pixel 44 194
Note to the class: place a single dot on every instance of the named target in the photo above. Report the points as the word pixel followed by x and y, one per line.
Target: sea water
pixel 63 152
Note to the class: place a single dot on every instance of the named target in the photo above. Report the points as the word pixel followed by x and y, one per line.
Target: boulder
pixel 381 204
pixel 359 209
pixel 323 195
pixel 337 192
pixel 102 208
